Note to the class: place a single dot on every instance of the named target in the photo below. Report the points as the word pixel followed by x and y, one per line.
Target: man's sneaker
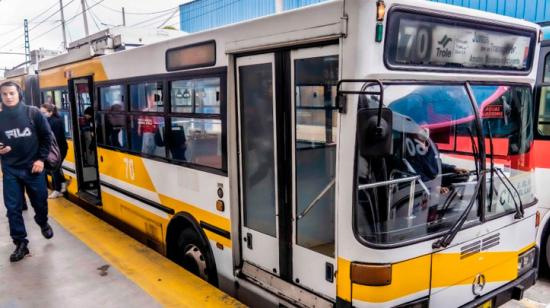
pixel 47 231
pixel 20 252
pixel 64 185
pixel 55 194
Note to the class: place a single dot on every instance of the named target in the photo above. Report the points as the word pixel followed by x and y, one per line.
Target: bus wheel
pixel 195 255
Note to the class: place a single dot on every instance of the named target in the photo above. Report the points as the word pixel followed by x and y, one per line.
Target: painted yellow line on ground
pixel 165 281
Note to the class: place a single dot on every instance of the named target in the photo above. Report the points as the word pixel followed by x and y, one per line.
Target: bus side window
pixel 544 111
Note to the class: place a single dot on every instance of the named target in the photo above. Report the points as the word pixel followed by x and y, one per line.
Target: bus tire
pixel 544 261
pixel 193 252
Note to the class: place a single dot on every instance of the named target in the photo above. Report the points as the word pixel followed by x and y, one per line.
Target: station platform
pixel 89 263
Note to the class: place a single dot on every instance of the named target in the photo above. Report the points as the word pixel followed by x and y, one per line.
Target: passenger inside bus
pixel 114 126
pixel 417 189
pixel 150 128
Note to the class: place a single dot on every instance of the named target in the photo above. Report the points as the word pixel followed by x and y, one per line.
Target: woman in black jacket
pixel 56 124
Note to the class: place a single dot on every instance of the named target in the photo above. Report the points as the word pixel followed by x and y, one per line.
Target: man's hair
pixel 10 83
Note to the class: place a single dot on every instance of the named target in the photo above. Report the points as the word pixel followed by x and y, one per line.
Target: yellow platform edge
pixel 165 281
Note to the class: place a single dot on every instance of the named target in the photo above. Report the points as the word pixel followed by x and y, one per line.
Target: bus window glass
pixel 146 97
pixel 111 130
pixel 64 112
pixel 434 136
pixel 147 135
pixel 58 99
pixel 182 96
pixel 112 98
pixel 207 95
pixel 196 96
pixel 197 141
pixel 47 97
pixel 547 68
pixel 316 133
pixel 65 116
pixel 506 119
pixel 543 124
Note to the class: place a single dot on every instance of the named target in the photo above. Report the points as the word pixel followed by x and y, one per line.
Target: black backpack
pixel 53 162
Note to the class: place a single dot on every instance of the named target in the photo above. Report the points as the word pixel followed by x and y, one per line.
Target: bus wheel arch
pixel 188 246
pixel 544 259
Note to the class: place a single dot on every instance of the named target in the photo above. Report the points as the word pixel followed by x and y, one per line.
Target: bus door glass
pixel 84 138
pixel 315 135
pixel 258 161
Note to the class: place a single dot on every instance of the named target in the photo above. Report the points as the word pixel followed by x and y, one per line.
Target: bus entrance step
pixel 288 291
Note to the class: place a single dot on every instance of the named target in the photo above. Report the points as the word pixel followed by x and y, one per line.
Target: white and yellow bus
pixel 350 153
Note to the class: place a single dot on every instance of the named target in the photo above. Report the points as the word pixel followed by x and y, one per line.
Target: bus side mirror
pixel 375 134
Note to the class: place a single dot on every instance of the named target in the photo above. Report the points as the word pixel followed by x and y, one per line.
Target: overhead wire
pixel 136 13
pixel 92 15
pixel 153 19
pixel 201 7
pixel 37 25
pixel 168 19
pixel 44 12
pixel 51 15
pixel 68 20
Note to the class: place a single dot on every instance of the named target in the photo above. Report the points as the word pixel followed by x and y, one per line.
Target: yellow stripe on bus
pixel 57 77
pixel 499 266
pixel 70 151
pixel 168 283
pixel 218 239
pixel 199 214
pixel 401 284
pixel 125 167
pixel 447 268
pixel 343 281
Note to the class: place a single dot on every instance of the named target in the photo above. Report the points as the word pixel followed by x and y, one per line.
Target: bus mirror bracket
pixel 374 124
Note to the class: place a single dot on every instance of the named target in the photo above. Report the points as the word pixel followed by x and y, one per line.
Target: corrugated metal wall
pixel 205 14
pixel 293 4
pixel 532 10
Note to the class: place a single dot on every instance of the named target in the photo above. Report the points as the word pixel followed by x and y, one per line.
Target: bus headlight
pixel 526 261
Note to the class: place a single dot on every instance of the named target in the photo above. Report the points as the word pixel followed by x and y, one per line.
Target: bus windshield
pixel 426 183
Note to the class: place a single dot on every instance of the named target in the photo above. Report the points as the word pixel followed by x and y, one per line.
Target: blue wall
pixel 205 14
pixel 532 10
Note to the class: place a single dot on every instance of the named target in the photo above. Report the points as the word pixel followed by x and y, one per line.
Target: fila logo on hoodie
pixel 17 133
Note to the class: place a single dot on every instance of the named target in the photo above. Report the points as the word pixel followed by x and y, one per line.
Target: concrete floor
pixel 538 296
pixel 61 272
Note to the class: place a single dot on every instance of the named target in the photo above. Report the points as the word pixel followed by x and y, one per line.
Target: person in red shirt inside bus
pixel 148 126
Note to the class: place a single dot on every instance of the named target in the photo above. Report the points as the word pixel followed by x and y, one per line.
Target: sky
pixel 45 21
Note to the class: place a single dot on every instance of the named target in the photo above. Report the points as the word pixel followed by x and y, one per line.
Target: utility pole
pixel 85 18
pixel 123 17
pixel 27 43
pixel 63 24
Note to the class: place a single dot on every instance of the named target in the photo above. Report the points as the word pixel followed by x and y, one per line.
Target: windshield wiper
pixel 453 231
pixel 504 179
pixel 492 166
pixel 474 152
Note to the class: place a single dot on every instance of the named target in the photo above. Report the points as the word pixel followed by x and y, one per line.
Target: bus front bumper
pixel 512 290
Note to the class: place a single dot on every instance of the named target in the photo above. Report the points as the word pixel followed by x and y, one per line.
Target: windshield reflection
pixel 426 183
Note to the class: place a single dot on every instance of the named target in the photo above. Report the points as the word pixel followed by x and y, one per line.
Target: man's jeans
pixel 35 184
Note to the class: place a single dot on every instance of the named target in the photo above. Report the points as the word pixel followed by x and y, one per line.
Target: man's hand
pixel 461 171
pixel 37 166
pixel 5 150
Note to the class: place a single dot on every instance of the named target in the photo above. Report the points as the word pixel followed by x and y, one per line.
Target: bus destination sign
pixel 418 42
